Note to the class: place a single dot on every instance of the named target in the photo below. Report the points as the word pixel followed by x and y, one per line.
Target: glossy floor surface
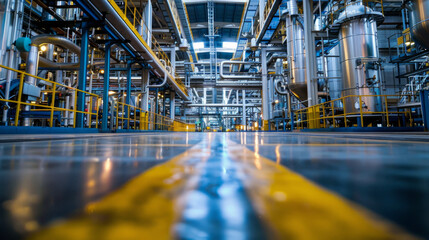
pixel 215 186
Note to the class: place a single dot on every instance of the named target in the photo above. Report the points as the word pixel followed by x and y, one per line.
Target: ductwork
pixel 419 21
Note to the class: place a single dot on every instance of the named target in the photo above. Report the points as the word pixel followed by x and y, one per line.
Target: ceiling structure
pixel 227 19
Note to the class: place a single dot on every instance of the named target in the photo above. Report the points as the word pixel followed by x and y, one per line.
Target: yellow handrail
pixel 324 115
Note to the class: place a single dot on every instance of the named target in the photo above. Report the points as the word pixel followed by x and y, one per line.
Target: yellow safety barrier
pixel 332 114
pixel 132 117
pixel 46 102
pixel 126 116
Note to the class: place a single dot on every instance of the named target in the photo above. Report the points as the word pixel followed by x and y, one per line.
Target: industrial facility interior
pixel 214 119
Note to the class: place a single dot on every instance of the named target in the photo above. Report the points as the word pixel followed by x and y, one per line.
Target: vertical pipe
pixel 172 105
pixel 128 89
pixel 104 119
pixel 82 77
pixel 310 53
pixel 243 120
pixel 265 95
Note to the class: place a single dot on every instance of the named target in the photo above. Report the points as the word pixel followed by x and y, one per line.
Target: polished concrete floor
pixel 214 186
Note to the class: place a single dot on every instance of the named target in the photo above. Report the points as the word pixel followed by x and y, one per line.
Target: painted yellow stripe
pixel 145 208
pixel 296 208
pixel 127 145
pixel 319 144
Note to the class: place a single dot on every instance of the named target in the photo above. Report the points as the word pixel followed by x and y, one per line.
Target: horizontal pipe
pixel 222 75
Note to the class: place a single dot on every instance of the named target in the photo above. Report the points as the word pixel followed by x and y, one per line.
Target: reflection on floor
pixel 215 186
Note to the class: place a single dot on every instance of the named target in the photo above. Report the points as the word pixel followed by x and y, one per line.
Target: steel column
pixel 82 77
pixel 104 126
pixel 265 94
pixel 424 98
pixel 172 105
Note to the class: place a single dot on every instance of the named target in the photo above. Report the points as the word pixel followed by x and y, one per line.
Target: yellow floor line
pixel 145 208
pixel 320 144
pixel 296 208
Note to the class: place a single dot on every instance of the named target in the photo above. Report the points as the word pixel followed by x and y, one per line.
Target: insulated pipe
pixel 222 75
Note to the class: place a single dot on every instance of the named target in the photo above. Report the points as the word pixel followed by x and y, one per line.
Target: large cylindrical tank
pixel 419 21
pixel 296 57
pixel 358 56
pixel 334 74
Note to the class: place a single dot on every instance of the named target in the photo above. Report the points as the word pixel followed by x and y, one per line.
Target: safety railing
pixel 400 44
pixel 267 9
pixel 31 102
pixel 131 117
pixel 56 104
pixel 352 111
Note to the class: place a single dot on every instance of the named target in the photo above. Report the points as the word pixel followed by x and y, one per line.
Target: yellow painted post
pixel 387 110
pixel 135 16
pixel 361 112
pixel 96 116
pixel 333 114
pixel 51 120
pixel 344 112
pixel 122 115
pixel 90 112
pixel 74 108
pixel 323 115
pixel 117 115
pixel 18 107
pixel 128 116
pixel 135 118
pixel 125 10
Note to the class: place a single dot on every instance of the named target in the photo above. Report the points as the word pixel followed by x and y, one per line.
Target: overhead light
pixel 111 92
pixel 276 101
pixel 43 48
pixel 102 71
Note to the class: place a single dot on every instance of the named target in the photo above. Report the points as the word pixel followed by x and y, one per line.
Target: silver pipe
pixel 222 75
pixel 167 69
pixel 114 20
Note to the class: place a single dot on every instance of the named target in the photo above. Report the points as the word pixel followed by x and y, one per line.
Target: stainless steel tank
pixel 296 57
pixel 334 74
pixel 359 55
pixel 419 21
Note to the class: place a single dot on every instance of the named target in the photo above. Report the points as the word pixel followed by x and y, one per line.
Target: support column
pixel 82 77
pixel 128 89
pixel 265 94
pixel 173 59
pixel 106 84
pixel 243 119
pixel 310 52
pixel 172 105
pixel 145 90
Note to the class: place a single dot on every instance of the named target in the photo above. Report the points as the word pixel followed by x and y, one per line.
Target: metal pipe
pixel 222 75
pixel 165 77
pixel 135 44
